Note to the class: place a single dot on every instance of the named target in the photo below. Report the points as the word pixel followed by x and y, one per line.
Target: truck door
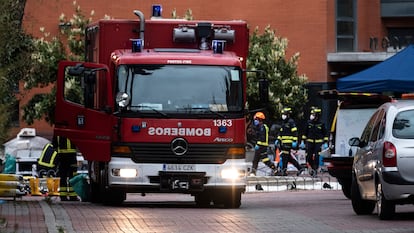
pixel 83 110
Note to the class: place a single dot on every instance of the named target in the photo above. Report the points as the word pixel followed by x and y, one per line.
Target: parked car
pixel 352 113
pixel 383 167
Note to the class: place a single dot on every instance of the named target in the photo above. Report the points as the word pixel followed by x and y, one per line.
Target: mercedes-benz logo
pixel 179 146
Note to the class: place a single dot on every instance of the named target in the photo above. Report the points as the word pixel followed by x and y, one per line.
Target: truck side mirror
pixel 89 82
pixel 76 70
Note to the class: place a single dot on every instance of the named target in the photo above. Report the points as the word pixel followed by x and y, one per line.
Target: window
pixel 73 90
pixel 402 127
pixel 366 134
pixel 345 25
pixel 181 88
pixel 399 38
pixel 87 88
pixel 377 127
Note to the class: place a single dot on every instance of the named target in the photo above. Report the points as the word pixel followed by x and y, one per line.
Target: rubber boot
pixel 53 186
pixel 35 186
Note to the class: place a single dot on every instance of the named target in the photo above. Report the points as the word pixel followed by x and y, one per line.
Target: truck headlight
pixel 232 173
pixel 125 172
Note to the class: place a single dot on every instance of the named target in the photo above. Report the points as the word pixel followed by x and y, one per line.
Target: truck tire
pixel 231 199
pixel 113 197
pixel 385 208
pixel 95 190
pixel 98 191
pixel 203 199
pixel 110 196
pixel 360 206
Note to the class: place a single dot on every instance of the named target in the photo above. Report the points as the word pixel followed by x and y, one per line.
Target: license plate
pixel 180 167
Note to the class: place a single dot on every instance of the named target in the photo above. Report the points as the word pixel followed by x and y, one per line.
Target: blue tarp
pixel 395 74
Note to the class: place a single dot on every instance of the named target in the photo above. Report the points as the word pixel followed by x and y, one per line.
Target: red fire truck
pixel 159 106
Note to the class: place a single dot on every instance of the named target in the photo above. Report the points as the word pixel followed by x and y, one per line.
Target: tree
pixel 15 51
pixel 267 53
pixel 188 15
pixel 45 58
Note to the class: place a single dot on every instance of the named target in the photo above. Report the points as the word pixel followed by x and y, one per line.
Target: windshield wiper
pixel 159 112
pixel 217 113
pixel 149 107
pixel 204 110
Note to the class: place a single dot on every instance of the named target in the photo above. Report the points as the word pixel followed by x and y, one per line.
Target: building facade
pixel 335 38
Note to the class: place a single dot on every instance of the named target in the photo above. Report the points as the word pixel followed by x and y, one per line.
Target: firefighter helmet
pixel 287 111
pixel 316 111
pixel 259 115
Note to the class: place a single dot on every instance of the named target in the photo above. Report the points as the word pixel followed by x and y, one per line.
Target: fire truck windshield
pixel 180 88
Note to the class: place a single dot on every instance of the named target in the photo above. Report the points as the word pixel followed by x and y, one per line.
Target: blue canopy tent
pixel 395 74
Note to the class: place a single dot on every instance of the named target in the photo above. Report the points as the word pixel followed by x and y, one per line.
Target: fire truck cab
pixel 159 106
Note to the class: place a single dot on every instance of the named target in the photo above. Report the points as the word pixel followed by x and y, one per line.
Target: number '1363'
pixel 219 123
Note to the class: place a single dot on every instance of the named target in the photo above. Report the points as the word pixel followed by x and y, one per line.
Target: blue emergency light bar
pixel 218 46
pixel 156 10
pixel 137 45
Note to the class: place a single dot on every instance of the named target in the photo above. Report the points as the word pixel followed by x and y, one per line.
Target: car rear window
pixel 403 126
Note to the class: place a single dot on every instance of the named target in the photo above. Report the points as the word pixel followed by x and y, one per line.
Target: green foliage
pixel 40 106
pixel 45 59
pixel 73 30
pixel 15 50
pixel 188 15
pixel 267 52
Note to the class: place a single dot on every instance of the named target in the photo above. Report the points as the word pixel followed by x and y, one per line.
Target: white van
pixel 352 114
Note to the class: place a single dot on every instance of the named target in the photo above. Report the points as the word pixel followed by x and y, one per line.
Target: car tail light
pixel 389 156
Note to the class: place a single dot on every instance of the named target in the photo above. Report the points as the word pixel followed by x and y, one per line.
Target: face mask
pixel 284 117
pixel 312 117
pixel 256 122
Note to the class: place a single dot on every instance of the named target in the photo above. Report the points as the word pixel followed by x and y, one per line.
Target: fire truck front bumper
pixel 185 178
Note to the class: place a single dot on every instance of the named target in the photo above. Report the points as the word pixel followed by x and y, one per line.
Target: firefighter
pixel 314 137
pixel 287 140
pixel 262 143
pixel 67 167
pixel 47 160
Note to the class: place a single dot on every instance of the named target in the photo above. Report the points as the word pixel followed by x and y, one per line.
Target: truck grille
pixel 162 153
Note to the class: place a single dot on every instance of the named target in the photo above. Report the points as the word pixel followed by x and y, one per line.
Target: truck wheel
pixel 95 189
pixel 231 199
pixel 113 197
pixel 203 199
pixel 360 206
pixel 98 192
pixel 94 192
pixel 385 208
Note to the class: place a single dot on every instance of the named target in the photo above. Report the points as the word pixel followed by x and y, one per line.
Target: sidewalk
pixel 40 214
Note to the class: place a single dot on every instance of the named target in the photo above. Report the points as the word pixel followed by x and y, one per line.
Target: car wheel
pixel 385 208
pixel 346 189
pixel 360 206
